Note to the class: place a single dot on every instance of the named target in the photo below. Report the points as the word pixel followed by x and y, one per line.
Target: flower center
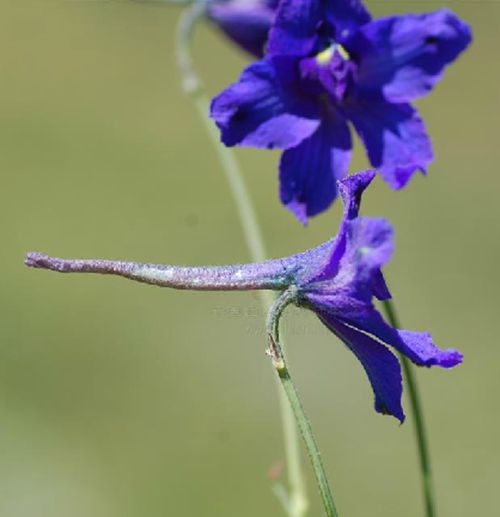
pixel 330 71
pixel 324 57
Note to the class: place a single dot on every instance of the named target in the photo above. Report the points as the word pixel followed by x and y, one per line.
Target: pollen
pixel 324 57
pixel 343 53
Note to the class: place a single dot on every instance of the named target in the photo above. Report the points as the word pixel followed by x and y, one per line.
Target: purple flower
pixel 328 64
pixel 246 22
pixel 340 290
pixel 338 281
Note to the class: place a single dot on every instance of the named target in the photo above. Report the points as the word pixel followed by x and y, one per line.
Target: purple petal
pixel 380 364
pixel 351 189
pixel 417 346
pixel 353 274
pixel 404 56
pixel 346 16
pixel 302 27
pixel 379 286
pixel 246 22
pixel 369 245
pixel 295 28
pixel 263 109
pixel 394 136
pixel 309 172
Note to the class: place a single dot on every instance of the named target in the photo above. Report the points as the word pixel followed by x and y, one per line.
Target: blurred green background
pixel 123 400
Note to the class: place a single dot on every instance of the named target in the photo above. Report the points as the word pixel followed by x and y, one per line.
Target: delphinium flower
pixel 245 22
pixel 328 63
pixel 337 280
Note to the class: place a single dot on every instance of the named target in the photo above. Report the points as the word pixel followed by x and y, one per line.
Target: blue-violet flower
pixel 337 280
pixel 328 63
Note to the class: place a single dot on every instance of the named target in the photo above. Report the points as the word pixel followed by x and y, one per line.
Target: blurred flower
pixel 337 280
pixel 246 22
pixel 328 63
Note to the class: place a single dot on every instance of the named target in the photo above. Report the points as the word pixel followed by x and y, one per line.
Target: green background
pixel 123 400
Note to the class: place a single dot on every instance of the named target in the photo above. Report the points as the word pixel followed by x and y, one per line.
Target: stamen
pixel 324 57
pixel 343 52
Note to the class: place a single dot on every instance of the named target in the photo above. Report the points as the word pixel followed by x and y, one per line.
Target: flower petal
pixel 351 189
pixel 303 27
pixel 346 16
pixel 323 262
pixel 309 171
pixel 417 346
pixel 394 136
pixel 380 364
pixel 369 245
pixel 263 109
pixel 295 27
pixel 404 56
pixel 379 286
pixel 245 22
pixel 352 276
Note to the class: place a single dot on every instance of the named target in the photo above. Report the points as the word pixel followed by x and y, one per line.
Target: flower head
pixel 329 64
pixel 340 284
pixel 337 280
pixel 246 22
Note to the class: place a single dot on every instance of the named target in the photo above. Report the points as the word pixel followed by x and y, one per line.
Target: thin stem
pixel 298 501
pixel 232 171
pixel 419 421
pixel 281 494
pixel 279 363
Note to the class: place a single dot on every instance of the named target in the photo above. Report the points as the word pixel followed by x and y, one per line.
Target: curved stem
pixel 419 422
pixel 232 171
pixel 279 363
pixel 298 502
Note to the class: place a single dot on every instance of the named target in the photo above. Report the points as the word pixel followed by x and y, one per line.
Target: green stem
pixel 298 502
pixel 418 422
pixel 279 362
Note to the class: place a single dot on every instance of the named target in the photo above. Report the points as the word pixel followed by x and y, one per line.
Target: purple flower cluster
pixel 328 65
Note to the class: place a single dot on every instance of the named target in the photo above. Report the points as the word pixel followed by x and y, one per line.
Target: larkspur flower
pixel 337 280
pixel 245 22
pixel 328 63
